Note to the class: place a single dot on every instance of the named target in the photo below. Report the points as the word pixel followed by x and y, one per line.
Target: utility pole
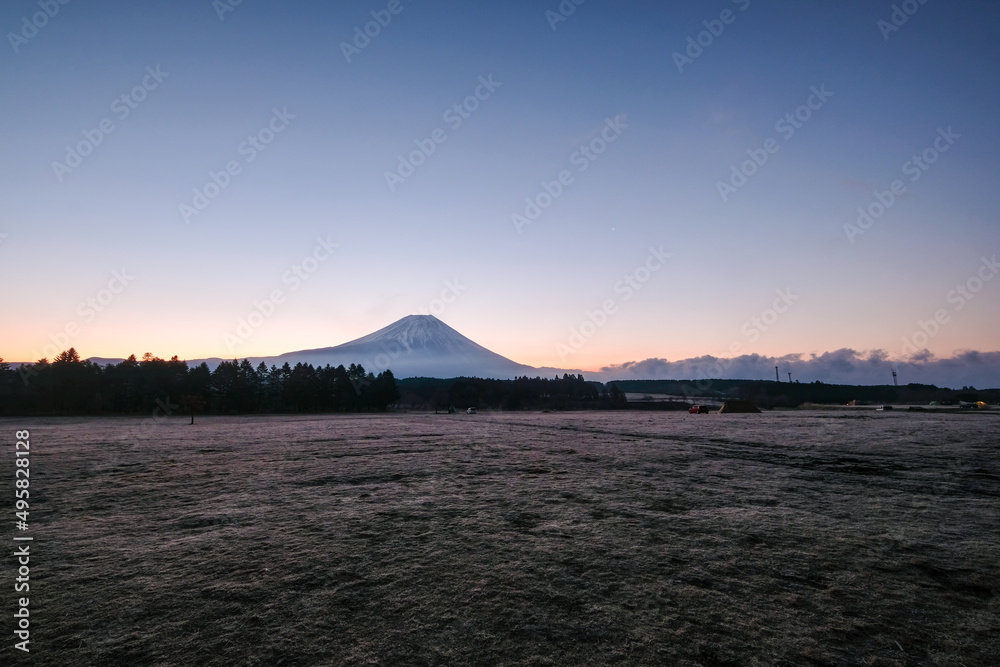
pixel 776 376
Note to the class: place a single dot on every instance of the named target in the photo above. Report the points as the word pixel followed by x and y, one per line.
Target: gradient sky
pixel 448 228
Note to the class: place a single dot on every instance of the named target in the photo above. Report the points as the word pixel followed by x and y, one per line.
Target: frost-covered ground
pixel 795 538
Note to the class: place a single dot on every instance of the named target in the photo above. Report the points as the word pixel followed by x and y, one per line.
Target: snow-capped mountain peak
pixel 415 346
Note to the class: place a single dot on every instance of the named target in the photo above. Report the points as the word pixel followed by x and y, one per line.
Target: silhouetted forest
pixel 771 394
pixel 71 386
pixel 570 392
pixel 68 385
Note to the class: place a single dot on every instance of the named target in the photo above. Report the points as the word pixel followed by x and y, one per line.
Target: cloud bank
pixel 844 366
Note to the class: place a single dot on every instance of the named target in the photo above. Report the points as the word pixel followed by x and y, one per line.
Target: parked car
pixel 698 409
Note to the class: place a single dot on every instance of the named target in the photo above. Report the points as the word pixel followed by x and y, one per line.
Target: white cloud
pixel 845 366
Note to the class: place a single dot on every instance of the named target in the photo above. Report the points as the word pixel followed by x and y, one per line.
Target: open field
pixel 791 538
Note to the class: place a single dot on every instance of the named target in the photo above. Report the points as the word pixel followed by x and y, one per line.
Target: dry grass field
pixel 787 538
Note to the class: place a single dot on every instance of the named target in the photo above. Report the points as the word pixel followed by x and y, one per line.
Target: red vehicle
pixel 698 409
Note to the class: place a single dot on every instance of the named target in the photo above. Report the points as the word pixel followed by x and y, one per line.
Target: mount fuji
pixel 416 346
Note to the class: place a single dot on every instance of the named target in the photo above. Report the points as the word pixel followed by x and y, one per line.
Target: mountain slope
pixel 415 346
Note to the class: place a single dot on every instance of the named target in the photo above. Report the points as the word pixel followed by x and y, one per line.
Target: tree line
pixel 69 385
pixel 771 394
pixel 570 392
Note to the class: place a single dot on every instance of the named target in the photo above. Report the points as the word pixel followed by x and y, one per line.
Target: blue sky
pixel 443 240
